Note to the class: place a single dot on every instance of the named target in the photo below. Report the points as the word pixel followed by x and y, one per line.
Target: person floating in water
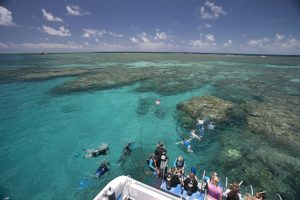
pixel 102 169
pixel 194 135
pixel 211 126
pixel 103 150
pixel 200 125
pixel 187 144
pixel 125 153
pixel 157 102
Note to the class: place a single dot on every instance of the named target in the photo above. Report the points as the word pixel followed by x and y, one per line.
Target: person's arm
pixel 221 195
pixel 151 164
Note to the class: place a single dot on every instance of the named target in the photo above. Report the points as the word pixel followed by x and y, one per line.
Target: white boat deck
pixel 126 188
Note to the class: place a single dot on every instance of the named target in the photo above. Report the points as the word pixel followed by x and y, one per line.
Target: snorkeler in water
pixel 125 153
pixel 103 168
pixel 102 150
pixel 187 144
pixel 195 136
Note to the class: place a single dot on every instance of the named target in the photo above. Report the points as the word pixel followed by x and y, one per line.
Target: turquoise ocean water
pixel 43 134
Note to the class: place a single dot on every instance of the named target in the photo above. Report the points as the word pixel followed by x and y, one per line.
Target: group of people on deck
pixel 175 176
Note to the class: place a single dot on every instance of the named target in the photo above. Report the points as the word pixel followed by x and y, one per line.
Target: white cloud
pixel 115 34
pixel 50 17
pixel 207 25
pixel 76 10
pixel 161 36
pixel 228 43
pixel 146 42
pixel 279 36
pixel 208 43
pixel 261 42
pixel 6 18
pixel 144 37
pixel 60 32
pixel 46 45
pixel 210 11
pixel 280 43
pixel 210 37
pixel 134 40
pixel 89 33
pixel 51 46
pixel 9 45
pixel 203 45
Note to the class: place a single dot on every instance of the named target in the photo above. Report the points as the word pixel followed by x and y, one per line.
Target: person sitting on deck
pixel 152 163
pixel 179 164
pixel 172 179
pixel 103 150
pixel 190 184
pixel 214 191
pixel 232 193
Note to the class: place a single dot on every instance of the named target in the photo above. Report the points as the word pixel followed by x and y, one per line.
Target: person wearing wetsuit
pixel 126 152
pixel 102 169
pixel 159 152
pixel 103 150
pixel 172 180
pixel 190 184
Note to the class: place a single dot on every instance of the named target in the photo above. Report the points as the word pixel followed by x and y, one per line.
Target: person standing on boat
pixel 214 190
pixel 160 149
pixel 163 164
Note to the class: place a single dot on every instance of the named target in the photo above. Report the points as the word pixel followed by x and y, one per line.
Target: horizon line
pixel 167 52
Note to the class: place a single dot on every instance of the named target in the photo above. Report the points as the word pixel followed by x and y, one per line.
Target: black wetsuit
pixel 158 153
pixel 126 152
pixel 172 180
pixel 190 185
pixel 99 152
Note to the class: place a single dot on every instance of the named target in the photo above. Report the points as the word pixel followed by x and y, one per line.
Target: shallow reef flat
pixel 277 120
pixel 38 74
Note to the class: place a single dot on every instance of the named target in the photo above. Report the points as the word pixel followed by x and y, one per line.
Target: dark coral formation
pixel 38 74
pixel 104 79
pixel 209 108
pixel 246 157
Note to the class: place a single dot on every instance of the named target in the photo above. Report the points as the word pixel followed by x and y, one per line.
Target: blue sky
pixel 211 26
